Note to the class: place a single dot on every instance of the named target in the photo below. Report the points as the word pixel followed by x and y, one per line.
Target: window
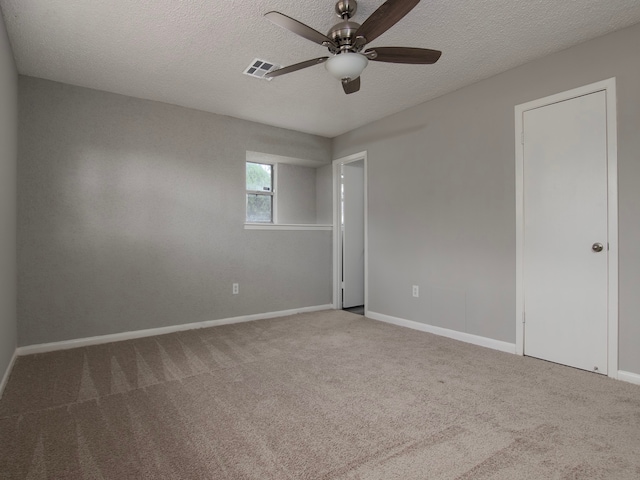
pixel 260 192
pixel 286 193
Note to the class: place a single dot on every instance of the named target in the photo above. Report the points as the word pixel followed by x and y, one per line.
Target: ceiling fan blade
pixel 351 86
pixel 295 67
pixel 385 17
pixel 299 28
pixel 422 56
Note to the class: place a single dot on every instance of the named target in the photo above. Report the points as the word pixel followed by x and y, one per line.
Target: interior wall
pixel 296 194
pixel 8 159
pixel 131 216
pixel 324 195
pixel 442 194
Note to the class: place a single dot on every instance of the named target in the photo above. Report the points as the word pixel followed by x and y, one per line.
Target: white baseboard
pixel 629 377
pixel 117 337
pixel 445 332
pixel 5 377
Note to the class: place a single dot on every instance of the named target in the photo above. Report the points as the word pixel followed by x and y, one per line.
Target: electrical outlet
pixel 236 289
pixel 416 291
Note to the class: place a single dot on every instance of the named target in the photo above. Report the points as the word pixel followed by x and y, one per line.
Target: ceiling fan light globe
pixel 346 65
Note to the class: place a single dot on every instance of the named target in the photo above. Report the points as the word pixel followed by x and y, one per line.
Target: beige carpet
pixel 330 395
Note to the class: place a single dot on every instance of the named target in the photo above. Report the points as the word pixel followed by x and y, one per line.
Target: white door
pixel 353 234
pixel 565 223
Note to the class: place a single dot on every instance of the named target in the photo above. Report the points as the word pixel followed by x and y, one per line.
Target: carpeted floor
pixel 328 395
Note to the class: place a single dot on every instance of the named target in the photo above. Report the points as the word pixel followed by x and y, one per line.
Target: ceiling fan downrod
pixel 346 9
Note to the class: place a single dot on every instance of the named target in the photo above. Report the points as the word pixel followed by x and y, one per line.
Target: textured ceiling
pixel 193 52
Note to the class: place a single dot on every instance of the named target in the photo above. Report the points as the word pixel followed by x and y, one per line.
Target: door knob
pixel 596 247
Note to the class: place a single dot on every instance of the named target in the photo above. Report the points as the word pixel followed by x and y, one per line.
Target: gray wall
pixel 442 194
pixel 296 194
pixel 8 159
pixel 131 213
pixel 324 195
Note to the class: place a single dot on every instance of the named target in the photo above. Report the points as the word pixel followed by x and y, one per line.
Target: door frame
pixel 337 229
pixel 609 87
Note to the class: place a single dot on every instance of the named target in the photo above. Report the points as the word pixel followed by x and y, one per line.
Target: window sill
pixel 280 226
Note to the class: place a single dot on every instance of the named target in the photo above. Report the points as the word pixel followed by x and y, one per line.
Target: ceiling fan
pixel 346 42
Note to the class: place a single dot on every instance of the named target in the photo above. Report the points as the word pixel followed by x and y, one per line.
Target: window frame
pixel 271 193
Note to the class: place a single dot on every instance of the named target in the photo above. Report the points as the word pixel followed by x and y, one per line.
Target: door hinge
pixel 523 317
pixel 522 137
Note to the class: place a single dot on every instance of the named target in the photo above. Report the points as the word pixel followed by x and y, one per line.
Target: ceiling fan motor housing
pixel 343 34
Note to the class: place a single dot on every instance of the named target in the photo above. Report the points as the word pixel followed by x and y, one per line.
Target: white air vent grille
pixel 259 68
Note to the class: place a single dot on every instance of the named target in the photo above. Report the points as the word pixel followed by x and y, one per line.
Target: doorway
pixel 567 229
pixel 350 233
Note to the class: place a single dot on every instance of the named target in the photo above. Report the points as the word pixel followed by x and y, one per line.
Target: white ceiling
pixel 193 52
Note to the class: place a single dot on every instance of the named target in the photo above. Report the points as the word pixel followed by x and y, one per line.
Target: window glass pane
pixel 259 177
pixel 259 208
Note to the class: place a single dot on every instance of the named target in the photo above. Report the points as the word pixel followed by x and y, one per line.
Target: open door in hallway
pixel 353 234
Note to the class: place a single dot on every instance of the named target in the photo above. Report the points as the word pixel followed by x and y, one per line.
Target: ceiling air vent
pixel 259 68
